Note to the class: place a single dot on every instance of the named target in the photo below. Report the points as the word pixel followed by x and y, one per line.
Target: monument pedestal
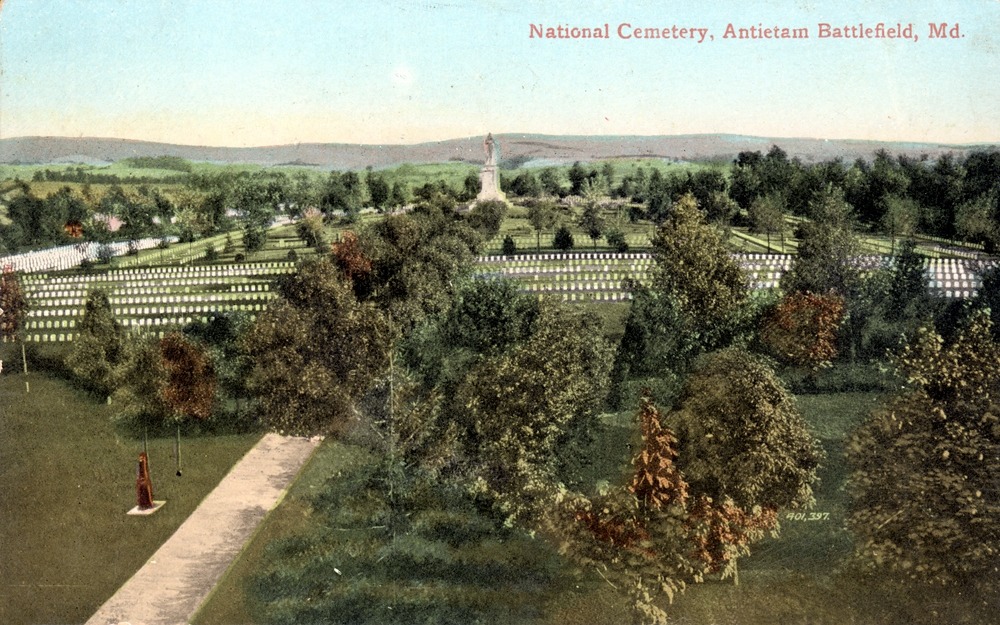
pixel 137 511
pixel 489 185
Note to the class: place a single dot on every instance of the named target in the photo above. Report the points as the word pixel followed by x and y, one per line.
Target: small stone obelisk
pixel 145 504
pixel 489 177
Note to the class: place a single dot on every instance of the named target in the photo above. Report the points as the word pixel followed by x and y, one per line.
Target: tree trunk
pixel 24 359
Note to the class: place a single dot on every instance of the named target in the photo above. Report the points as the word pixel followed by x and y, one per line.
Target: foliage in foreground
pixel 925 503
pixel 696 500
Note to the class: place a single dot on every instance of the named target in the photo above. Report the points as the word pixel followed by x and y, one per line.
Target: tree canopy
pixel 315 351
pixel 924 502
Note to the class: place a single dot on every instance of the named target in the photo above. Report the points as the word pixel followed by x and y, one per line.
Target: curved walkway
pixel 171 586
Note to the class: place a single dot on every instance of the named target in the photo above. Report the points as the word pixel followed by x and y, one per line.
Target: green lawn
pixel 228 604
pixel 67 477
pixel 802 577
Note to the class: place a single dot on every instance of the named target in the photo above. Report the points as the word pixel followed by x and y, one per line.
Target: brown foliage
pixel 802 329
pixel 350 259
pixel 657 482
pixel 190 377
pixel 624 531
pixel 721 532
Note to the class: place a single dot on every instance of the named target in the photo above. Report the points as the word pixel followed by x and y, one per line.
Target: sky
pixel 270 72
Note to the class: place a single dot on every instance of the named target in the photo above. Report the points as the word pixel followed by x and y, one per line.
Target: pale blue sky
pixel 248 72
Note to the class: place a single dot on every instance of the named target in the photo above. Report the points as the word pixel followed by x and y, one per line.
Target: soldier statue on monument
pixel 489 178
pixel 490 146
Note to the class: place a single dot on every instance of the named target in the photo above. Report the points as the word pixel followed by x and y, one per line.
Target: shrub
pixel 509 247
pixel 563 239
pixel 616 239
pixel 211 254
pixel 293 255
pixel 105 254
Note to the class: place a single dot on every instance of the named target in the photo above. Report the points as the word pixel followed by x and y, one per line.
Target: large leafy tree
pixel 416 261
pixel 695 270
pixel 315 351
pixel 486 218
pixel 485 319
pixel 256 198
pixel 529 413
pixel 828 250
pixel 655 349
pixel 924 501
pixel 741 437
pixel 100 346
pixel 542 216
pixel 767 216
pixel 592 222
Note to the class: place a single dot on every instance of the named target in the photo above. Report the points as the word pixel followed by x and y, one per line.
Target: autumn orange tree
pixel 189 383
pixel 802 328
pixel 634 536
pixel 350 259
pixel 706 484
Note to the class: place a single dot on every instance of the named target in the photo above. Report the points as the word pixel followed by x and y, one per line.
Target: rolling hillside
pixel 516 149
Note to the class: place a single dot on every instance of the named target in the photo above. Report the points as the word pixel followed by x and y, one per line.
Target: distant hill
pixel 515 149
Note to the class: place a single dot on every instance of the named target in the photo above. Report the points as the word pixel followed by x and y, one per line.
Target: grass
pixel 801 577
pixel 67 477
pixel 229 604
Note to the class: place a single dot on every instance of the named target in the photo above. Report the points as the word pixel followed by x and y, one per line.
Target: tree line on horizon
pixel 951 197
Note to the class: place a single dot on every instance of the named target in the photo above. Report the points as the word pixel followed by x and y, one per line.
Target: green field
pixel 67 477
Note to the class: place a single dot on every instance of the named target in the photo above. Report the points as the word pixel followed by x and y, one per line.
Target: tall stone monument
pixel 489 177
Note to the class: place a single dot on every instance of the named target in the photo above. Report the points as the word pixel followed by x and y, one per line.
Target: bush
pixel 211 254
pixel 509 247
pixel 239 258
pixel 163 244
pixel 105 254
pixel 563 239
pixel 616 239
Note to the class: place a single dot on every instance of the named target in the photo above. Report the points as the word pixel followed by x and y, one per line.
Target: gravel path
pixel 171 586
